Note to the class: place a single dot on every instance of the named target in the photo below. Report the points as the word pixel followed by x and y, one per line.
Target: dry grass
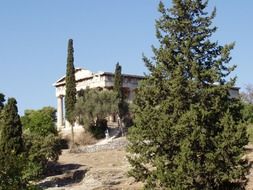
pixel 81 137
pixel 85 138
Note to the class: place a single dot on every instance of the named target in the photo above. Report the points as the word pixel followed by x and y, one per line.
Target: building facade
pixel 87 79
pixel 102 80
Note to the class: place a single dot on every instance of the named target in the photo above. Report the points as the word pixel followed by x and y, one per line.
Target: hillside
pixel 103 169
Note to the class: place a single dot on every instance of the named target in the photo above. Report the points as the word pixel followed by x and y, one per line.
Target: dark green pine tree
pixel 70 97
pixel 11 129
pixel 188 132
pixel 11 147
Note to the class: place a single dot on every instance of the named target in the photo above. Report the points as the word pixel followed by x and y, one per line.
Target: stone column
pixel 131 95
pixel 59 112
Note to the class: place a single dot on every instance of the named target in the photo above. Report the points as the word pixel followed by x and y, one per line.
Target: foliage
pixel 187 132
pixel 247 112
pixel 118 81
pixel 40 150
pixel 93 107
pixel 11 166
pixel 2 99
pixel 123 108
pixel 70 97
pixel 41 141
pixel 41 122
pixel 11 129
pixel 11 147
pixel 250 132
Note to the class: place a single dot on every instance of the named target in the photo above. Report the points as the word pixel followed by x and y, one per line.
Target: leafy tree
pixel 41 122
pixel 70 97
pixel 93 107
pixel 188 132
pixel 42 143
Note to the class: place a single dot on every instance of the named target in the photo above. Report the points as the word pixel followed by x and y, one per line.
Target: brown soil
pixel 105 170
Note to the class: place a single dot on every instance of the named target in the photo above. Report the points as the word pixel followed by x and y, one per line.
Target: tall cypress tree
pixel 118 88
pixel 70 97
pixel 123 107
pixel 188 132
pixel 118 81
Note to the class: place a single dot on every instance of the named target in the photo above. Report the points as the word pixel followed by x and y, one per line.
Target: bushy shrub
pixel 42 143
pixel 39 152
pixel 41 122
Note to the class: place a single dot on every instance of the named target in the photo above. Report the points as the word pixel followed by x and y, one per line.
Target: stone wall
pixel 112 144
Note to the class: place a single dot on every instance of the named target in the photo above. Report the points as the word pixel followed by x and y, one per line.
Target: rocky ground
pixel 99 167
pixel 102 167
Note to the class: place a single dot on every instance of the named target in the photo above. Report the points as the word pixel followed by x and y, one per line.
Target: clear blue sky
pixel 34 37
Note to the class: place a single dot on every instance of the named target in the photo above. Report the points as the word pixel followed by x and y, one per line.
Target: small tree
pixel 70 97
pixel 188 131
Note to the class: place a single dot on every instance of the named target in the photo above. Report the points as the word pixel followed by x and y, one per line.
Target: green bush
pixel 39 152
pixel 41 122
pixel 42 143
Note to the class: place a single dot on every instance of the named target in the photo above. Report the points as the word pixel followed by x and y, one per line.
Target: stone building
pixel 103 80
pixel 87 79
